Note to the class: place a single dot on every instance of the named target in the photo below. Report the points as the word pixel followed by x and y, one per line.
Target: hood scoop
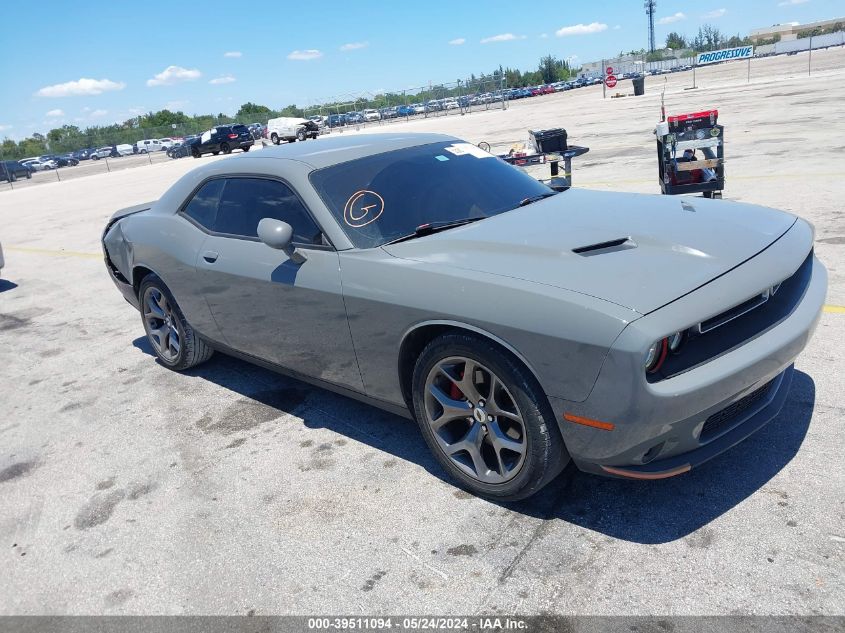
pixel 602 248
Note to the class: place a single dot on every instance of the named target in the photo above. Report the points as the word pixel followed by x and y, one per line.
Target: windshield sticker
pixel 440 157
pixel 461 149
pixel 363 207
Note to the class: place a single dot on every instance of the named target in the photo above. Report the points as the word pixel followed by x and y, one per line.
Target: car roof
pixel 334 150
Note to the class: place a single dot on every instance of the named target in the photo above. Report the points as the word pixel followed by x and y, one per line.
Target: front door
pixel 264 304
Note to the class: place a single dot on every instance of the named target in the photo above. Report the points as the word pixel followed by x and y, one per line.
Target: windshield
pixel 386 196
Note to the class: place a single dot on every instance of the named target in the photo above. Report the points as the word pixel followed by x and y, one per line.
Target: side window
pixel 203 206
pixel 246 201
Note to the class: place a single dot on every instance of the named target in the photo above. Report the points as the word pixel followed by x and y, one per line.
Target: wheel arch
pixel 139 272
pixel 418 336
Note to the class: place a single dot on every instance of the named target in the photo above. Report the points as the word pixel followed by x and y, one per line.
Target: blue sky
pixel 211 56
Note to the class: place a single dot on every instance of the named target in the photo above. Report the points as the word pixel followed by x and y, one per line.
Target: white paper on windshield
pixel 206 137
pixel 461 149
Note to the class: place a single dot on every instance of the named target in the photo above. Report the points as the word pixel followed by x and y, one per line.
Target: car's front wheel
pixel 195 152
pixel 174 341
pixel 301 135
pixel 275 138
pixel 225 148
pixel 485 418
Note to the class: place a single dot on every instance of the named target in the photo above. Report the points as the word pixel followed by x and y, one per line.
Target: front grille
pixel 723 420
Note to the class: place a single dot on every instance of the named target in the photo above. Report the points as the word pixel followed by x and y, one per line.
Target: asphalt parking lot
pixel 126 488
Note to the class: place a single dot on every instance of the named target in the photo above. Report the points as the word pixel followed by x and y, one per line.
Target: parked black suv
pixel 11 170
pixel 223 138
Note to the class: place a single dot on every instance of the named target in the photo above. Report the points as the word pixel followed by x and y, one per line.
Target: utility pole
pixel 650 8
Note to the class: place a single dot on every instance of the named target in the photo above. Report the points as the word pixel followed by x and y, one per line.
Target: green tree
pixel 676 41
pixel 250 111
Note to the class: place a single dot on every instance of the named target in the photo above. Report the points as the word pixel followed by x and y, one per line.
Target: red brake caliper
pixel 454 392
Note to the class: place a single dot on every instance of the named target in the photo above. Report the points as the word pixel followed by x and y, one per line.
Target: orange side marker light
pixel 596 424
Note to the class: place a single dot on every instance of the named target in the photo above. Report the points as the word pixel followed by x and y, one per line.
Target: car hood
pixel 657 248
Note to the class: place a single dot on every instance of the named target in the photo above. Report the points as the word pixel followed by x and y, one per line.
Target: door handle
pixel 210 256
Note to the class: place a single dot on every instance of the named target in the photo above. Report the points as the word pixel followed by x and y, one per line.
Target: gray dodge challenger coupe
pixel 638 336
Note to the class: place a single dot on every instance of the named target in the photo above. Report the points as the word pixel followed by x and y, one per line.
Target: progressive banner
pixel 741 52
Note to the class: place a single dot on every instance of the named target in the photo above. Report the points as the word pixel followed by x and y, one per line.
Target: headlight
pixel 656 355
pixel 675 341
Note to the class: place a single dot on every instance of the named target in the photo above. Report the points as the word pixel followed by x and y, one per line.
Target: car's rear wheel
pixel 275 138
pixel 174 341
pixel 485 418
pixel 225 148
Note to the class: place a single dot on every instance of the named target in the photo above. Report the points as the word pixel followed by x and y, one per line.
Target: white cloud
pixel 96 114
pixel 306 55
pixel 502 37
pixel 581 29
pixel 543 36
pixel 3 128
pixel 225 79
pixel 671 19
pixel 790 3
pixel 82 86
pixel 354 46
pixel 55 113
pixel 233 54
pixel 458 41
pixel 712 15
pixel 173 75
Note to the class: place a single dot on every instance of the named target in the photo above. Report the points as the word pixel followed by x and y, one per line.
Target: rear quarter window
pixel 202 207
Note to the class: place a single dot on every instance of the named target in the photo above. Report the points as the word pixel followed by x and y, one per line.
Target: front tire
pixel 195 152
pixel 485 418
pixel 301 135
pixel 173 340
pixel 275 138
pixel 225 148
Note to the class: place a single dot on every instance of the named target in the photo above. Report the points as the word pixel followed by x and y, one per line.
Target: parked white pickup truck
pixel 290 129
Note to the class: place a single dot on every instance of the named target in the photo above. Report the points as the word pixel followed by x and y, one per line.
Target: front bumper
pixel 665 428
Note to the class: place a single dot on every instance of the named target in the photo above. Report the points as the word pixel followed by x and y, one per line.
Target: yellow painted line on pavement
pixel 53 253
pixel 45 251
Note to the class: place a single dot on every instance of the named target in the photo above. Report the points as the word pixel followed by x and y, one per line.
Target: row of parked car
pixel 446 104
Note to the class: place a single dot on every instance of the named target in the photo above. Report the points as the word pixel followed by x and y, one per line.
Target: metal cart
pixel 680 170
pixel 521 158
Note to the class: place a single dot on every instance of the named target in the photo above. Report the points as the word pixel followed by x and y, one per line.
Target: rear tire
pixel 173 340
pixel 518 448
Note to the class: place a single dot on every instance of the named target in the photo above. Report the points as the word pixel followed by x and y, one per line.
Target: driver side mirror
pixel 279 235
